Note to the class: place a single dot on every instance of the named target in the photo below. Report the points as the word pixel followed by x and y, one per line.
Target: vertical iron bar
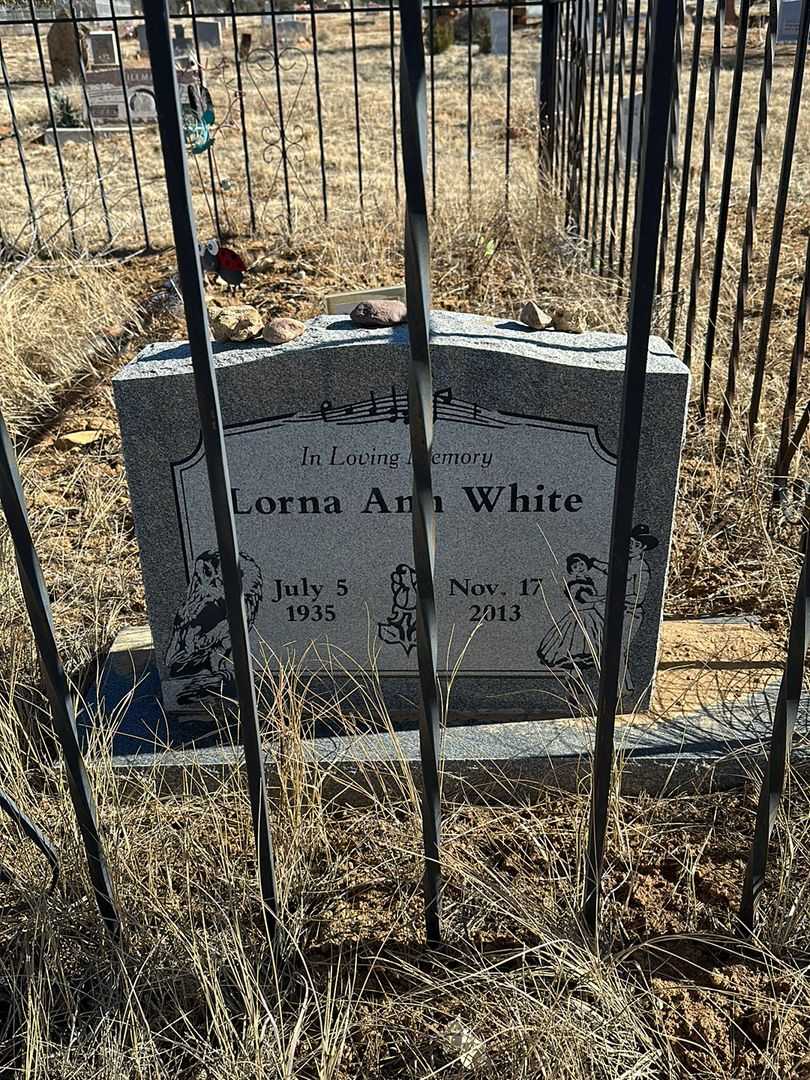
pixel 35 237
pixel 356 77
pixel 794 377
pixel 182 214
pixel 508 101
pixel 642 297
pixel 614 204
pixel 61 701
pixel 705 177
pixel 240 91
pixel 614 7
pixel 420 413
pixel 548 83
pixel 91 125
pixel 592 96
pixel 209 153
pixel 394 133
pixel 672 152
pixel 128 111
pixel 52 118
pixel 469 99
pixel 725 198
pixel 281 128
pixel 431 18
pixel 565 71
pixel 628 157
pixel 686 171
pixel 779 216
pixel 750 227
pixel 316 69
pixel 574 197
pixel 784 721
pixel 597 171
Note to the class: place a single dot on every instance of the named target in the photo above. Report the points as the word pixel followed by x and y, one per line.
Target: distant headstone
pixel 499 31
pixel 787 24
pixel 181 45
pixel 67 51
pixel 524 466
pixel 209 33
pixel 245 45
pixel 103 48
pixel 288 29
pixel 106 98
pixel 143 44
pixel 635 140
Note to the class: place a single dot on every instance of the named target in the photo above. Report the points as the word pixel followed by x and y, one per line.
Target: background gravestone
pixel 66 44
pixel 209 33
pixel 499 31
pixel 524 469
pixel 103 49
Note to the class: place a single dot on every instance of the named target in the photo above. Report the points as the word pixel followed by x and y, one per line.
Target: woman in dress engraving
pixel 576 640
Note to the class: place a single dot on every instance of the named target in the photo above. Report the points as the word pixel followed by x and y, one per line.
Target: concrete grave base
pixel 708 724
pixel 79 134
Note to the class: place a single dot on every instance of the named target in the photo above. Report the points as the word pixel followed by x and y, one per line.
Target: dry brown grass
pixel 517 992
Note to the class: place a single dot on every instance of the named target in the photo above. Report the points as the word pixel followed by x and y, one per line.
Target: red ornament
pixel 224 262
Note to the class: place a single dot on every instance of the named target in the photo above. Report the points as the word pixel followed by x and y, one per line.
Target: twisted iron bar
pixel 615 11
pixel 60 698
pixel 156 14
pixel 705 177
pixel 725 198
pixel 413 124
pixel 779 218
pixel 784 722
pixel 760 133
pixel 642 298
pixel 794 378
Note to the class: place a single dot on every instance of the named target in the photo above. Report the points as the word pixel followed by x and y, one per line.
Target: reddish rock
pixel 374 313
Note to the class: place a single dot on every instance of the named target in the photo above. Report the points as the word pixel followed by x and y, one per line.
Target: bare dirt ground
pixel 517 991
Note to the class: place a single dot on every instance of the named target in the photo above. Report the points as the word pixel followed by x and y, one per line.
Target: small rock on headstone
pixel 568 322
pixel 242 322
pixel 533 315
pixel 279 330
pixel 375 313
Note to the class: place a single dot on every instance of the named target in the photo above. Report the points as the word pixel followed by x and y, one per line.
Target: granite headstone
pixel 103 48
pixel 524 465
pixel 499 31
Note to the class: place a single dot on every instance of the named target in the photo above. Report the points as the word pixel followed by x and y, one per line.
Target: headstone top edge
pixel 595 350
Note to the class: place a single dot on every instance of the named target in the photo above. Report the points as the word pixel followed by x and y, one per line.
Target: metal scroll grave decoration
pixel 283 137
pixel 198 119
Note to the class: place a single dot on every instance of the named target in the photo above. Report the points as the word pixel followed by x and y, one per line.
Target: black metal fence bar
pixel 282 134
pixel 614 15
pixel 784 721
pixel 52 117
pixel 395 140
pixel 779 217
pixel 628 156
pixel 794 377
pixel 642 298
pixel 316 73
pixel 60 698
pixel 548 83
pixel 240 93
pixel 128 112
pixel 420 425
pixel 725 199
pixel 672 152
pixel 92 126
pixel 356 78
pixel 683 200
pixel 760 133
pixel 188 260
pixel 214 204
pixel 32 210
pixel 705 178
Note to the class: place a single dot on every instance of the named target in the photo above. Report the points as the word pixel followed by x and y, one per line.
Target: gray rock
pixel 533 315
pixel 241 322
pixel 278 331
pixel 379 313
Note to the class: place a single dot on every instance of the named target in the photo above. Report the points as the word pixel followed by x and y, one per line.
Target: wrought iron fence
pixel 595 130
pixel 655 158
